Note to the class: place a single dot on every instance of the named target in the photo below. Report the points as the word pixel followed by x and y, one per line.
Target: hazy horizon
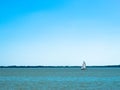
pixel 59 32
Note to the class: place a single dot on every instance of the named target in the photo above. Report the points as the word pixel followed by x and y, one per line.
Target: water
pixel 59 79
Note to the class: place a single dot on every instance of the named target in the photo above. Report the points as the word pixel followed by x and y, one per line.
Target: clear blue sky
pixel 59 32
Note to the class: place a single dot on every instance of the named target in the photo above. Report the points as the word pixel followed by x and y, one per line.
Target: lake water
pixel 59 79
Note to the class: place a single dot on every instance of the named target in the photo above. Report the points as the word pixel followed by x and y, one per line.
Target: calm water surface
pixel 59 78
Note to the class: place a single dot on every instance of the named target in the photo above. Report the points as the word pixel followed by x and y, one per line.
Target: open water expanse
pixel 59 79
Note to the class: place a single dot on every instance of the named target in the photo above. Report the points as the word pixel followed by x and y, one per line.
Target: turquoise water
pixel 59 78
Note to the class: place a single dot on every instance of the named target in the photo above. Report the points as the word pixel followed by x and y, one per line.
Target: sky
pixel 59 32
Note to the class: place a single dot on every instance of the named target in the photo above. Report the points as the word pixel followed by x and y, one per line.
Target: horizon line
pixel 40 66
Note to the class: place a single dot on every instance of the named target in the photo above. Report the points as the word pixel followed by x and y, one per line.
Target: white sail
pixel 83 67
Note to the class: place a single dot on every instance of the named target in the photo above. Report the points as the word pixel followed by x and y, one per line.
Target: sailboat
pixel 83 67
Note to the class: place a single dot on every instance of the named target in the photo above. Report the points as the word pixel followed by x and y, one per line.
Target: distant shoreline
pixel 106 66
